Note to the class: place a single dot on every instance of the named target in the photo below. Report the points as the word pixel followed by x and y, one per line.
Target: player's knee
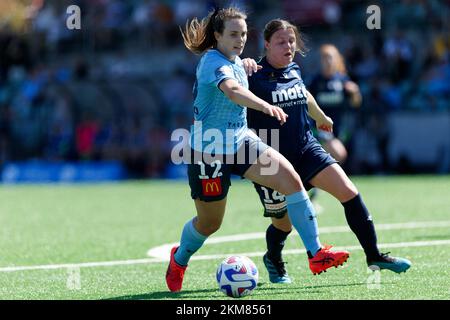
pixel 286 180
pixel 348 192
pixel 291 183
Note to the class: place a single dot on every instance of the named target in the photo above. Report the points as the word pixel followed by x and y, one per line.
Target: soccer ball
pixel 237 276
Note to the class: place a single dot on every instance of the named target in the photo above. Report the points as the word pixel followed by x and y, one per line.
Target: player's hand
pixel 325 124
pixel 355 95
pixel 351 87
pixel 276 112
pixel 250 66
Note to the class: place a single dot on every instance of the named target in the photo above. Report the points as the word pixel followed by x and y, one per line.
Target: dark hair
pixel 279 24
pixel 198 36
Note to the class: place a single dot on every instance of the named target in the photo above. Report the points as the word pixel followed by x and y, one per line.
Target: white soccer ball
pixel 237 276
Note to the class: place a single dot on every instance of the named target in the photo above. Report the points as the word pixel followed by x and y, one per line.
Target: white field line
pixel 82 265
pixel 250 254
pixel 349 248
pixel 163 251
pixel 214 256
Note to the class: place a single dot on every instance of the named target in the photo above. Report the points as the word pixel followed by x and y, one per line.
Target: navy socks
pixel 360 222
pixel 275 239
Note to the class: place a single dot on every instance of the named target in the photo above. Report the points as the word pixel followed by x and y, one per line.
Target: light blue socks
pixel 301 213
pixel 303 218
pixel 191 241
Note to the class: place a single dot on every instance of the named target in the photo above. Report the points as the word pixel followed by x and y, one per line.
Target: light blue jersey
pixel 220 124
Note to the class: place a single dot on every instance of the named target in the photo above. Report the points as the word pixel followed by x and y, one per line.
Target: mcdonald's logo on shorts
pixel 211 187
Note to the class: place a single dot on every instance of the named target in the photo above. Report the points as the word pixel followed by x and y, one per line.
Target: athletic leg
pixel 300 210
pixel 334 180
pixel 197 230
pixel 284 179
pixel 209 185
pixel 276 235
pixel 274 205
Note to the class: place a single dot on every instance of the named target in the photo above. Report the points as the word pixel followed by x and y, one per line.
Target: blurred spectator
pixel 399 56
pixel 86 132
pixel 117 88
pixel 60 130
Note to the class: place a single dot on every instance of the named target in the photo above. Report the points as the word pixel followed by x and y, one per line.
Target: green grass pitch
pixel 50 225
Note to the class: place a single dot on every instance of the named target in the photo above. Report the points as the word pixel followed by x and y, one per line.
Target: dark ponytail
pixel 199 36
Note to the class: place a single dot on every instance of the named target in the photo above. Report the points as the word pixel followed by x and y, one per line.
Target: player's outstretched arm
pixel 323 122
pixel 242 96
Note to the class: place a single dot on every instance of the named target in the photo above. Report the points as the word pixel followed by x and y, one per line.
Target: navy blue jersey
pixel 330 93
pixel 284 88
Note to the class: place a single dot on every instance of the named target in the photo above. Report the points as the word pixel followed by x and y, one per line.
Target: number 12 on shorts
pixel 211 186
pixel 216 173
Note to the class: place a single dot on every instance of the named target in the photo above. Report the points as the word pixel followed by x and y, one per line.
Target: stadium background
pixel 100 103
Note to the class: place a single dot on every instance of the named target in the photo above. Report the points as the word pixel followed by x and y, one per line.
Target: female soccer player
pixel 279 83
pixel 335 93
pixel 220 96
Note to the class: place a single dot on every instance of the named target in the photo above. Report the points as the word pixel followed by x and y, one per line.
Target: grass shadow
pixel 166 295
pixel 311 289
pixel 263 290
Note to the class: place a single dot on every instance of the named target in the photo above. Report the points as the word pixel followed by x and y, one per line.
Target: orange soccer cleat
pixel 325 258
pixel 175 273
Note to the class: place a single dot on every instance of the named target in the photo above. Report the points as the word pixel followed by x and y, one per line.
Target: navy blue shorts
pixel 210 177
pixel 311 160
